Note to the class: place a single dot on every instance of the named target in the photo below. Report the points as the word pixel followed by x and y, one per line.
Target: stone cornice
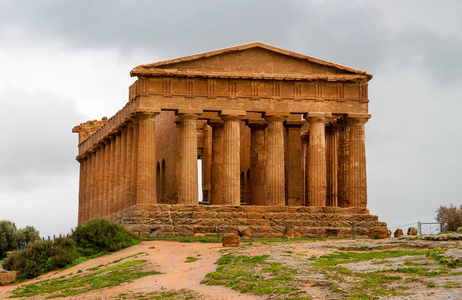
pixel 247 75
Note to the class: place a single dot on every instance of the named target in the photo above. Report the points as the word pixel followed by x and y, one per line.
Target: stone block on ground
pixel 378 233
pixel 230 240
pixel 398 233
pixel 412 231
pixel 388 233
pixel 7 277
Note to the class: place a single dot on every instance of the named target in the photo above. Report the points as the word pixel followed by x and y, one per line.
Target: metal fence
pixel 429 228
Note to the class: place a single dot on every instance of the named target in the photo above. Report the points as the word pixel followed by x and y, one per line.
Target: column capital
pixel 187 116
pixel 81 158
pixel 189 111
pixel 235 115
pixel 317 116
pixel 357 119
pixel 147 111
pixel 273 116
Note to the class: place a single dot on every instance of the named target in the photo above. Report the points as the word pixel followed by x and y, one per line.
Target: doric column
pixel 257 162
pixel 106 176
pixel 317 183
pixel 231 156
pixel 343 161
pixel 275 178
pixel 331 165
pixel 118 171
pixel 93 200
pixel 146 160
pixel 357 183
pixel 217 161
pixel 207 164
pixel 123 170
pixel 100 181
pixel 293 163
pixel 132 148
pixel 86 207
pixel 188 181
pixel 305 140
pixel 112 178
pixel 81 160
pixel 100 170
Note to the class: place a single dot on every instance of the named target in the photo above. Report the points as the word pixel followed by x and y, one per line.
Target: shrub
pixel 26 235
pixel 8 237
pixel 40 257
pixel 99 235
pixel 450 217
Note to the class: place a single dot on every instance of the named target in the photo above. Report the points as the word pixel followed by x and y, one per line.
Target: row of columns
pixel 272 178
pixel 121 169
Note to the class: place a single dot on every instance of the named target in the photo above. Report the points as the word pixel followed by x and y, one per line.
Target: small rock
pixel 398 233
pixel 378 233
pixel 230 240
pixel 388 233
pixel 152 247
pixel 412 231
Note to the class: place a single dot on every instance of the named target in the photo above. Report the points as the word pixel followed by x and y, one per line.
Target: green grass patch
pixel 255 274
pixel 450 285
pixel 81 283
pixel 191 259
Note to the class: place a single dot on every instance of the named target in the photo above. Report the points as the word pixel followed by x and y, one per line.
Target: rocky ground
pixel 413 276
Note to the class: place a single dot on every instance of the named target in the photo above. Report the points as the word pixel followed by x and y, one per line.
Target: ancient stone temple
pixel 280 137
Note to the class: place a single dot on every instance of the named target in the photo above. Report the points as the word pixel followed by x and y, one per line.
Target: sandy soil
pixel 169 258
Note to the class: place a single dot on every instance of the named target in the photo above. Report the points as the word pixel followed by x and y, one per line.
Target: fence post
pixel 419 225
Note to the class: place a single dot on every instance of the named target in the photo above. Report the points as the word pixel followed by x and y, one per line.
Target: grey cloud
pixel 37 142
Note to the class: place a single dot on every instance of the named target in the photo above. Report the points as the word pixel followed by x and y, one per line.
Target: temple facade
pixel 278 134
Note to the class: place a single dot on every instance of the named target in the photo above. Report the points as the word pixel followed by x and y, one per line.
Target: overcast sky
pixel 65 62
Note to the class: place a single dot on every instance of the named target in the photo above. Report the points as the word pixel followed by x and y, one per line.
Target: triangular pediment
pixel 249 60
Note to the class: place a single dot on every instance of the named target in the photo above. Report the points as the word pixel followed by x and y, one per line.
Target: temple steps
pixel 264 221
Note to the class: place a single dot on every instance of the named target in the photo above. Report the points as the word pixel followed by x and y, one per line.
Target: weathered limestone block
pixel 230 240
pixel 388 233
pixel 7 277
pixel 398 233
pixel 412 231
pixel 378 233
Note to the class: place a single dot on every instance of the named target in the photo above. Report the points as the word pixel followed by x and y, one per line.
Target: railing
pixel 429 228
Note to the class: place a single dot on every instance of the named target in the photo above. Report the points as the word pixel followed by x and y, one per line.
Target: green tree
pixel 8 237
pixel 26 235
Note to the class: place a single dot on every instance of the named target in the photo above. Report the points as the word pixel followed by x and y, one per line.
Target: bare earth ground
pixel 169 258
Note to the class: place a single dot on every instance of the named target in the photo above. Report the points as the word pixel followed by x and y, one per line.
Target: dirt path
pixel 168 258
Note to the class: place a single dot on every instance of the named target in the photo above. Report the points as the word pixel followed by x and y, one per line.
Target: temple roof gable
pixel 257 60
